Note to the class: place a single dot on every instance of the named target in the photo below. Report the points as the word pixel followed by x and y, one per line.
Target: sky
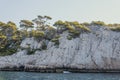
pixel 70 10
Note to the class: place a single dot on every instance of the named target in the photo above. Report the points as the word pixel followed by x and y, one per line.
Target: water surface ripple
pixel 58 76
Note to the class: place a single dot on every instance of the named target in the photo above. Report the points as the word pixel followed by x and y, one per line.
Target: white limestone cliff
pixel 99 49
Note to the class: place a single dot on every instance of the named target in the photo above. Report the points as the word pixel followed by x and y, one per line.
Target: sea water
pixel 58 76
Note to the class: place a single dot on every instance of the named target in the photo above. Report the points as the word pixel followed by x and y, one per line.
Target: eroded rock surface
pixel 99 49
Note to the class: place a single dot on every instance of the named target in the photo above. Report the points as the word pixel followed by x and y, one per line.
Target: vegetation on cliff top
pixel 12 35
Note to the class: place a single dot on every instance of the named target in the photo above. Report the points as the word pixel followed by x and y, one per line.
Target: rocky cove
pixel 96 51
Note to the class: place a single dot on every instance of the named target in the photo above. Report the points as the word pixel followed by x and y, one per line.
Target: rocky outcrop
pixel 99 49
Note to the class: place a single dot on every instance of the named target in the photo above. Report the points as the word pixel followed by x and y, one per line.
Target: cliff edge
pixel 99 49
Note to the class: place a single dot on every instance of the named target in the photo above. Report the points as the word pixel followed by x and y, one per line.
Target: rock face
pixel 99 49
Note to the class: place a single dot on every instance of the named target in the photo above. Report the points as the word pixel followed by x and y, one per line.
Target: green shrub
pixel 57 36
pixel 75 26
pixel 30 52
pixel 5 52
pixel 115 29
pixel 38 35
pixel 69 37
pixel 86 24
pixel 3 37
pixel 114 25
pixel 100 23
pixel 44 46
pixel 86 29
pixel 74 34
pixel 70 28
pixel 56 40
pixel 74 23
pixel 50 33
pixel 58 23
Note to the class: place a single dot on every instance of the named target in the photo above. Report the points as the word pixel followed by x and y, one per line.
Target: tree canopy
pixel 40 29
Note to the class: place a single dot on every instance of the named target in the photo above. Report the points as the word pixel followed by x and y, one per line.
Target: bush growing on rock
pixel 4 51
pixel 26 24
pixel 50 33
pixel 39 28
pixel 41 22
pixel 74 28
pixel 69 37
pixel 38 34
pixel 30 52
pixel 115 29
pixel 44 46
pixel 56 40
pixel 60 25
pixel 86 24
pixel 2 37
pixel 99 23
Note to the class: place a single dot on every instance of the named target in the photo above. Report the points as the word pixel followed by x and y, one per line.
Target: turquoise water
pixel 58 76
